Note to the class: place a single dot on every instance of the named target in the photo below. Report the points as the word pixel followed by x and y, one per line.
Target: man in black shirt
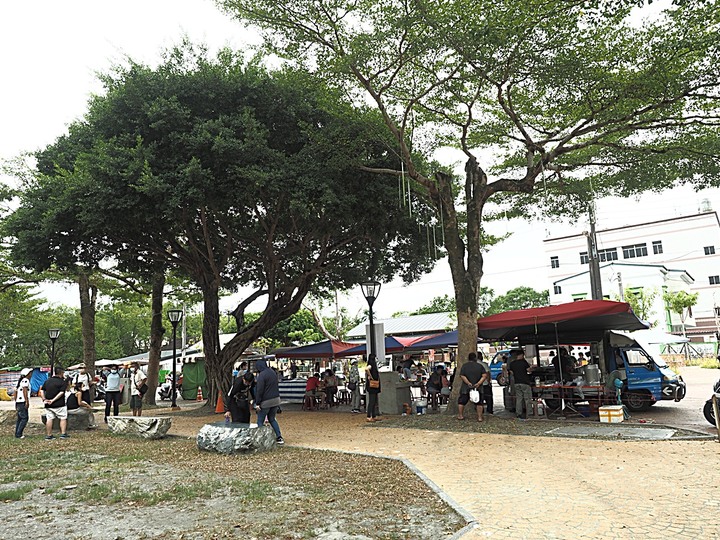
pixel 52 393
pixel 473 375
pixel 520 372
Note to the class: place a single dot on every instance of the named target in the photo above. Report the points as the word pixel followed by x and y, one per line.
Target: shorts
pixel 463 399
pixel 136 401
pixel 56 412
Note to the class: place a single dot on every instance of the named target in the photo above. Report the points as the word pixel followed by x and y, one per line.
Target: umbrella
pixel 392 344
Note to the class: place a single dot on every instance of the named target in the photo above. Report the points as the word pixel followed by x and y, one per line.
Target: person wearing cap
pixel 52 393
pixel 354 386
pixel 22 402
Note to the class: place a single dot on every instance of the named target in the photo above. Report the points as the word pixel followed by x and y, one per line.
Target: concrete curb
pixel 452 503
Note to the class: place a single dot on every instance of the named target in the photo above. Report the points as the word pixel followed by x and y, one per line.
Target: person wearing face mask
pixel 112 392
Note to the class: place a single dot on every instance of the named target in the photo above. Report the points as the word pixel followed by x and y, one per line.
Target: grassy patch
pixel 15 494
pixel 709 363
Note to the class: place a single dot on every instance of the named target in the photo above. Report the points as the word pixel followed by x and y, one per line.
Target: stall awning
pixel 584 320
pixel 323 349
pixel 392 345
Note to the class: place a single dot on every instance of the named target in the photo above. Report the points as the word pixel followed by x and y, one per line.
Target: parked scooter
pixel 708 409
pixel 100 390
pixel 165 391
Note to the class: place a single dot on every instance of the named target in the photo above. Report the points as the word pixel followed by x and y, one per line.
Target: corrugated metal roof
pixel 414 324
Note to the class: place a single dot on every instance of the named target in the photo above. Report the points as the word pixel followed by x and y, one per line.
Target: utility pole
pixel 620 286
pixel 593 258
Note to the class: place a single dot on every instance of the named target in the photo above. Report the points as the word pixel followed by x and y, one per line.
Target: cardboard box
pixel 611 414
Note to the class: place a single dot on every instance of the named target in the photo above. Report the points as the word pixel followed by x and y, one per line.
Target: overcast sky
pixel 52 51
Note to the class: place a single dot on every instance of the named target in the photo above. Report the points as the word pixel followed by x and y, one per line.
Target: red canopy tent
pixel 584 320
pixel 392 344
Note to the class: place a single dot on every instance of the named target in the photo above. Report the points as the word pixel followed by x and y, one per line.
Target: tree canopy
pixel 234 176
pixel 551 101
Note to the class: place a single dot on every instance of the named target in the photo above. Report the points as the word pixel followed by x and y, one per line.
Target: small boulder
pixel 147 427
pixel 235 438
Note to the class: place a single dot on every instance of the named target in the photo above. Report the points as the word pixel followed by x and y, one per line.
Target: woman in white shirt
pixel 22 402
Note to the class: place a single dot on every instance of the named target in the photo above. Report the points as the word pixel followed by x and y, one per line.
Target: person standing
pixel 520 376
pixel 486 392
pixel 52 393
pixel 22 402
pixel 112 392
pixel 138 379
pixel 472 375
pixel 84 378
pixel 354 386
pixel 238 399
pixel 372 383
pixel 267 398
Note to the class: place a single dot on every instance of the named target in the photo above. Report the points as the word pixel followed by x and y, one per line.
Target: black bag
pixel 352 386
pixel 143 389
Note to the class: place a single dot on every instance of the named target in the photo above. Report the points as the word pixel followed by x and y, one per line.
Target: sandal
pixel 460 417
pixel 369 419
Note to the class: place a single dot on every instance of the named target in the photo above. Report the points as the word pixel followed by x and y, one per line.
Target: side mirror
pixel 650 366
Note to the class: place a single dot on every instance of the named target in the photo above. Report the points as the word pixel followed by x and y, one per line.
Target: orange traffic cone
pixel 199 394
pixel 220 405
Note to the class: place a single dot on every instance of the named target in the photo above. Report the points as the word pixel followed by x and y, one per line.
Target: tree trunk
pixel 464 258
pixel 156 337
pixel 88 299
pixel 218 370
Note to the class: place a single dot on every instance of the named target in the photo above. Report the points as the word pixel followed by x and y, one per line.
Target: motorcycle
pixel 100 391
pixel 708 410
pixel 165 390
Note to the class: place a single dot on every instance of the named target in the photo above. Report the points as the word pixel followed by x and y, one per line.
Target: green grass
pixel 709 363
pixel 15 494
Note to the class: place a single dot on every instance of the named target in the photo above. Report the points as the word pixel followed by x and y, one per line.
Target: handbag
pixel 475 395
pixel 351 386
pixel 143 389
pixel 372 383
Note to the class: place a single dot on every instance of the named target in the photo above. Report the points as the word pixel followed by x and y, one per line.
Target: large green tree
pixel 519 298
pixel 236 176
pixel 550 101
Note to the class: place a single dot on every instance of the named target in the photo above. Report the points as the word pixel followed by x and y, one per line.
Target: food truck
pixel 614 353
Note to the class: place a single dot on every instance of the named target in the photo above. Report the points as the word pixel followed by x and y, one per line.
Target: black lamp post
pixel 54 333
pixel 371 290
pixel 175 316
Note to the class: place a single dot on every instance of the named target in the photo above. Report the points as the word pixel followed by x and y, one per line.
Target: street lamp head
pixel 54 333
pixel 175 315
pixel 371 290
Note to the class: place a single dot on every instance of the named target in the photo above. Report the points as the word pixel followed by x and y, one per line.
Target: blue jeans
pixel 22 418
pixel 270 414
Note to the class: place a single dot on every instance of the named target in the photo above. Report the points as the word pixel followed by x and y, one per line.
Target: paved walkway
pixel 535 487
pixel 538 487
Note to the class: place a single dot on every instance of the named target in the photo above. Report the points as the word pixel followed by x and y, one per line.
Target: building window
pixel 557 289
pixel 717 313
pixel 636 250
pixel 584 257
pixel 657 247
pixel 554 262
pixel 714 280
pixel 608 254
pixel 709 250
pixel 579 296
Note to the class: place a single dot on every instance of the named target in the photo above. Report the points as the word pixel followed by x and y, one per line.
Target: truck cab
pixel 647 379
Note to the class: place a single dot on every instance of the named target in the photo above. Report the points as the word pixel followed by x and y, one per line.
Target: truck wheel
pixel 709 412
pixel 636 401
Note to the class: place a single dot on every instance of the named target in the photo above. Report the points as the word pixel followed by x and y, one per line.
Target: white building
pixel 680 253
pixel 621 279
